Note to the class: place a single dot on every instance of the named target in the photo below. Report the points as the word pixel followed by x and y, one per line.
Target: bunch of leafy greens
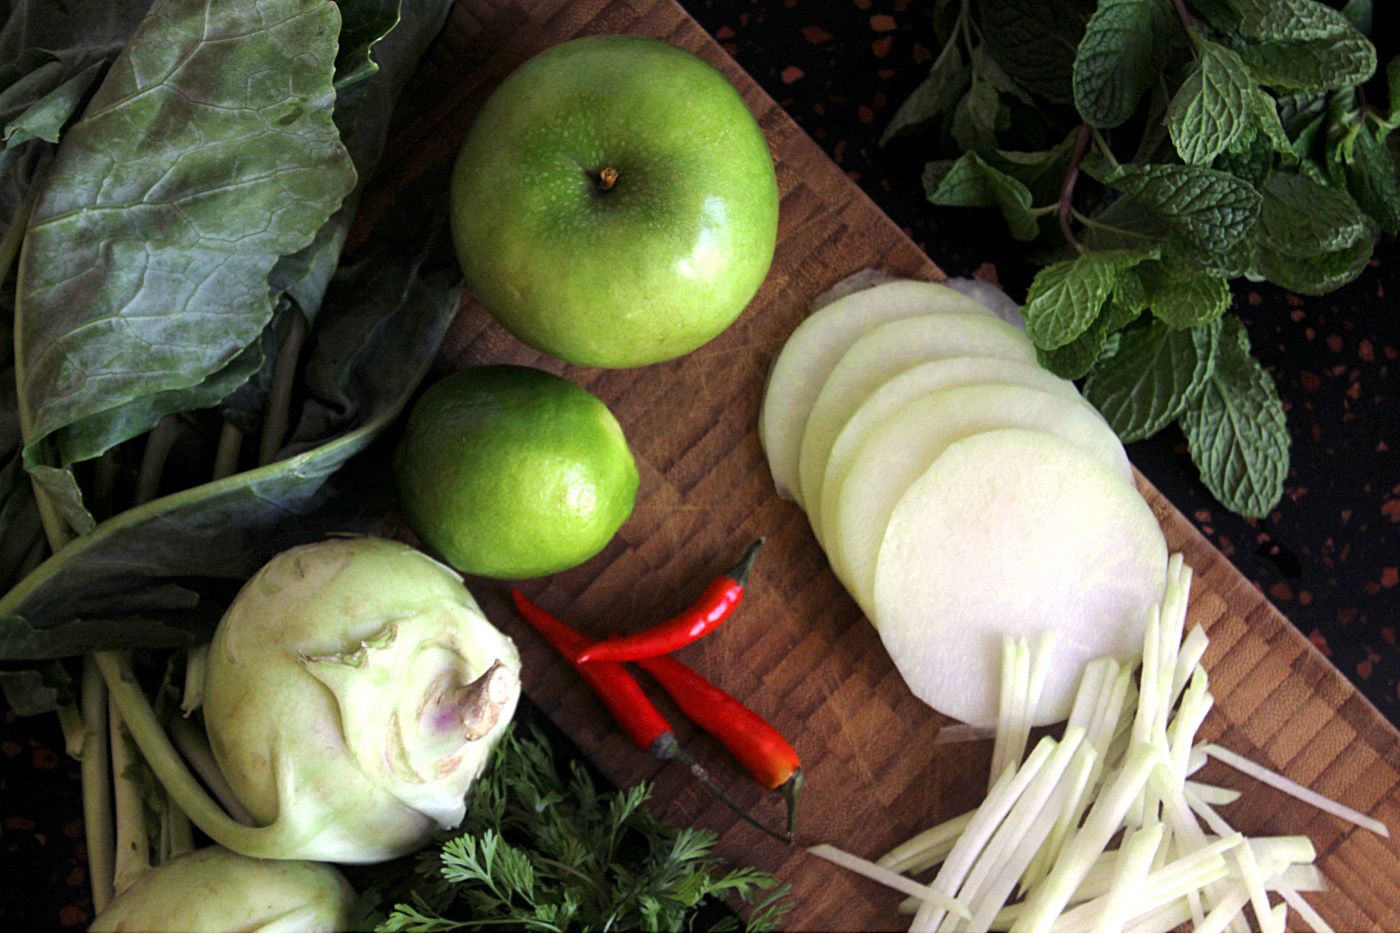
pixel 193 360
pixel 1152 151
pixel 542 852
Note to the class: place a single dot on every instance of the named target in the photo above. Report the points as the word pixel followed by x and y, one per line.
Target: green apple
pixel 614 203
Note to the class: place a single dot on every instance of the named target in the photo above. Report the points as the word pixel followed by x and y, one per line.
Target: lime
pixel 513 472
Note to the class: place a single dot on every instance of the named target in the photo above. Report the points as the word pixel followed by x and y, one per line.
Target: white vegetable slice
pixel 830 462
pixel 973 553
pixel 887 877
pixel 884 352
pixel 813 349
pixel 904 447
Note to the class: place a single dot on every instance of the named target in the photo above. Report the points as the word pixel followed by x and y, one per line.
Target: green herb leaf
pixel 977 115
pixel 1206 208
pixel 945 85
pixel 1065 298
pixel 1078 357
pixel 971 182
pixel 1180 296
pixel 1290 20
pixel 1236 432
pixel 540 848
pixel 1113 64
pixel 1035 41
pixel 1372 180
pixel 1152 378
pixel 1312 238
pixel 1312 64
pixel 1213 109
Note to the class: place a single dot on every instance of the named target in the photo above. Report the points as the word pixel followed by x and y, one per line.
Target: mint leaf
pixel 1269 123
pixel 971 182
pixel 945 85
pixel 1208 209
pixel 976 117
pixel 1303 218
pixel 1181 296
pixel 1152 378
pixel 1078 357
pixel 1358 13
pixel 1236 431
pixel 1314 275
pixel 1313 64
pixel 1213 108
pixel 1113 64
pixel 1290 20
pixel 1371 178
pixel 1066 297
pixel 1034 41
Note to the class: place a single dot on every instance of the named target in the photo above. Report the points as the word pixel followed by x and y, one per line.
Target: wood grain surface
pixel 799 651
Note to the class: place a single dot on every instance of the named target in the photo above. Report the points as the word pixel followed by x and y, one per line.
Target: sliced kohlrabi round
pixel 904 388
pixel 1013 532
pixel 813 349
pixel 879 355
pixel 903 448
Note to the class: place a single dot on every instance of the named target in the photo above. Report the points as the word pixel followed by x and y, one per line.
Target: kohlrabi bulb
pixel 215 889
pixel 355 691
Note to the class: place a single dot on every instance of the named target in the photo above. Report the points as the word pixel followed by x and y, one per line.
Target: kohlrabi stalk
pixel 133 848
pixel 97 786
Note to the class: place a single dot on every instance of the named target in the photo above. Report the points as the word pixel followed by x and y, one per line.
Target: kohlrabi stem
pixel 104 485
pixel 133 846
pixel 196 667
pixel 158 444
pixel 195 748
pixel 97 786
pixel 179 830
pixel 75 732
pixel 266 842
pixel 279 402
pixel 226 458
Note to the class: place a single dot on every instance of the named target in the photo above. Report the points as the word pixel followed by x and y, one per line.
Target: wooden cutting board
pixel 799 650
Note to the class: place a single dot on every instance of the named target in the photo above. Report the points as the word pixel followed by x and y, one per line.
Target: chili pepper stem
pixel 740 572
pixel 792 789
pixel 699 773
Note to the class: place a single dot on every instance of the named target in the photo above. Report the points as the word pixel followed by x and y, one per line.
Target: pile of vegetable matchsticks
pixel 1035 855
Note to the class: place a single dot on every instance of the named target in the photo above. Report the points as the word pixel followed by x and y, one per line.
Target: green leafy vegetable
pixel 543 851
pixel 1206 140
pixel 1235 429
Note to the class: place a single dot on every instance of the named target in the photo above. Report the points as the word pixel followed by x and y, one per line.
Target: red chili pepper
pixel 615 687
pixel 752 740
pixel 629 706
pixel 721 597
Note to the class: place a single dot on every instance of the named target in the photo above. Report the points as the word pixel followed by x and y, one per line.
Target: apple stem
pixel 607 177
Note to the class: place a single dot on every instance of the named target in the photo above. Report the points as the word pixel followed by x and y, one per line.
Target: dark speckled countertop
pixel 1328 557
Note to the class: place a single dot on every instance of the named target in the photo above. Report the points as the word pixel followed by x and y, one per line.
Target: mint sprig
pixel 1197 141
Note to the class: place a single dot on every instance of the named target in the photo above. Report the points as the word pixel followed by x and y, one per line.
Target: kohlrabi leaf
pixel 1235 429
pixel 165 566
pixel 1035 41
pixel 1114 63
pixel 971 183
pixel 1213 109
pixel 363 24
pixel 1152 377
pixel 207 153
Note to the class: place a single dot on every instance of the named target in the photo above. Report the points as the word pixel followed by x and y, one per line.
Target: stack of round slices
pixel 962 492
